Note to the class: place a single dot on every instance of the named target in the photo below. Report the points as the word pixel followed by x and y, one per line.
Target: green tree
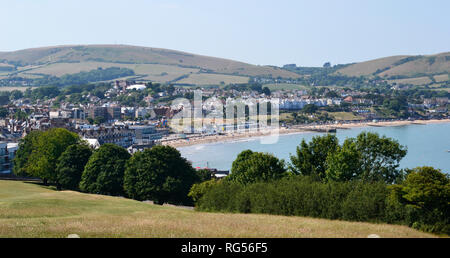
pixel 99 120
pixel 380 157
pixel 309 109
pixel 203 175
pixel 103 173
pixel 47 149
pixel 311 158
pixel 250 167
pixel 159 174
pixel 71 165
pixel 16 94
pixel 266 91
pixel 198 190
pixel 427 191
pixel 331 94
pixel 23 153
pixel 344 164
pixel 20 115
pixel 4 112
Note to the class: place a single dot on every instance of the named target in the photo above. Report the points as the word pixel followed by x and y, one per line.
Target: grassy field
pixel 285 86
pixel 442 89
pixel 396 65
pixel 442 77
pixel 344 116
pixel 213 79
pixel 11 88
pixel 413 81
pixel 31 210
pixel 69 59
pixel 369 67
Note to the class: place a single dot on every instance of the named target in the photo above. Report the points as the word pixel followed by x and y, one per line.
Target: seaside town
pixel 136 115
pixel 225 128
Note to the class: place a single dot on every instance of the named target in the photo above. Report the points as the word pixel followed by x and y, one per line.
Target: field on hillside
pixel 442 89
pixel 212 79
pixel 58 59
pixel 153 72
pixel 414 81
pixel 410 66
pixel 11 88
pixel 31 210
pixel 369 67
pixel 285 86
pixel 442 77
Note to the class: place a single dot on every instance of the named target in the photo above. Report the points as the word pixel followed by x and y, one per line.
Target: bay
pixel 428 145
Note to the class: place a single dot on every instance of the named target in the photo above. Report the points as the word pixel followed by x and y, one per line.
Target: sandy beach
pixel 282 130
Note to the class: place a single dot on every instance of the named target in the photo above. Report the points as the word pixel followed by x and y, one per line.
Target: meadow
pixel 28 209
pixel 11 88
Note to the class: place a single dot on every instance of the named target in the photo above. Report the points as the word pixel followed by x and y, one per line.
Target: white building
pixel 7 154
pixel 136 87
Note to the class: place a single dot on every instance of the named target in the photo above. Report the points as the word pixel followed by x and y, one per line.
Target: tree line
pixel 59 157
pixel 359 180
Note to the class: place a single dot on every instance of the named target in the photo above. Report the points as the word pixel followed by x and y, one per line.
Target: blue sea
pixel 427 145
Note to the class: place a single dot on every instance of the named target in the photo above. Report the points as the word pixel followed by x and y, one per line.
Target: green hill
pixel 155 64
pixel 401 67
pixel 31 210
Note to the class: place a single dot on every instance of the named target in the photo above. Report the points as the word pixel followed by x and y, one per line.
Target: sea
pixel 427 145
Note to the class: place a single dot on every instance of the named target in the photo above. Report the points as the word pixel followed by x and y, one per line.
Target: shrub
pixel 221 197
pixel 300 196
pixel 425 195
pixel 198 190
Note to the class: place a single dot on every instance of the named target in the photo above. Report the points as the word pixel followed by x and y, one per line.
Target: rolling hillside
pixel 161 65
pixel 170 66
pixel 401 66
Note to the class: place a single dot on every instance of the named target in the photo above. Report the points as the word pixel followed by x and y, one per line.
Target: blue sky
pixel 308 33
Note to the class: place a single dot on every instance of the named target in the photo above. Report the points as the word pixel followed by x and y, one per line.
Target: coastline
pixel 177 143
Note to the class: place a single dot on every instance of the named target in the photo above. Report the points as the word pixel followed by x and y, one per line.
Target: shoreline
pixel 178 143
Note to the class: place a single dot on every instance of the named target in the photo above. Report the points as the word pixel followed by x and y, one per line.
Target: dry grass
pixel 11 88
pixel 442 77
pixel 421 65
pixel 413 81
pixel 30 210
pixel 431 64
pixel 213 79
pixel 285 86
pixel 442 89
pixel 369 67
pixel 139 55
pixel 345 116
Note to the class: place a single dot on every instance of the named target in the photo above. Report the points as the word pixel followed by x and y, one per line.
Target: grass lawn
pixel 344 116
pixel 31 210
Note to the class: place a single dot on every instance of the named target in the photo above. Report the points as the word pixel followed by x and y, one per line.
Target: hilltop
pixel 171 66
pixel 417 70
pixel 155 64
pixel 31 210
